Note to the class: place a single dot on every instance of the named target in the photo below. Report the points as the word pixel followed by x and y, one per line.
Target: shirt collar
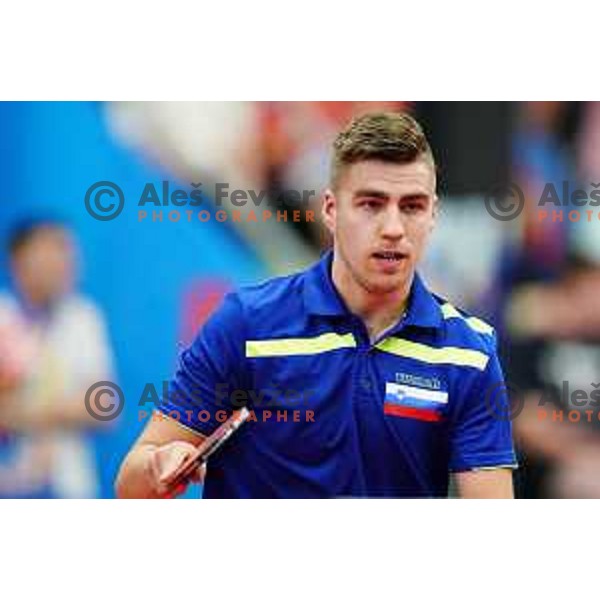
pixel 320 295
pixel 423 309
pixel 321 298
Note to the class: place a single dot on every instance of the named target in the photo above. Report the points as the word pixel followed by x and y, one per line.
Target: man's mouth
pixel 390 256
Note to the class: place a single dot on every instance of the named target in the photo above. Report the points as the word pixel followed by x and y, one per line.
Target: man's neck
pixel 36 307
pixel 378 311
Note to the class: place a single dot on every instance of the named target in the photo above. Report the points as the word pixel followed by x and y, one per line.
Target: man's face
pixel 380 216
pixel 43 267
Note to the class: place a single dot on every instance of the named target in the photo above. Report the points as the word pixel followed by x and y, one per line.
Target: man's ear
pixel 328 209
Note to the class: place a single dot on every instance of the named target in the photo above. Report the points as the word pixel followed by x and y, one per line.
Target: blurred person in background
pixel 53 346
pixel 551 281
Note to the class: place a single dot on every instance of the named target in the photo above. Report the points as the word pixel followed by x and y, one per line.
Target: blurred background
pixel 84 300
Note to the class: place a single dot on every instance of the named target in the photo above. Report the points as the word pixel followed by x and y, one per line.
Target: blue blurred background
pixel 138 273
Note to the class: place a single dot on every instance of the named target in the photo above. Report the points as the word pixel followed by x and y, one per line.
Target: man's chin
pixel 388 284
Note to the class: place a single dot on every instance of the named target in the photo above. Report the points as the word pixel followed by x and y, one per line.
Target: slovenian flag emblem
pixel 413 402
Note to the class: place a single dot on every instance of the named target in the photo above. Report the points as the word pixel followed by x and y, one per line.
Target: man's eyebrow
pixel 417 196
pixel 371 193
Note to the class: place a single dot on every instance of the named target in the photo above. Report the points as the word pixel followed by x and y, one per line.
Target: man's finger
pixel 167 460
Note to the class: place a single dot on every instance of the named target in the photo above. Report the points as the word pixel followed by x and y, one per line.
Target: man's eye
pixel 371 204
pixel 412 207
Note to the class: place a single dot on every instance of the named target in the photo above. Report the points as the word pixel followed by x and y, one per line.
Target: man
pixel 378 386
pixel 53 346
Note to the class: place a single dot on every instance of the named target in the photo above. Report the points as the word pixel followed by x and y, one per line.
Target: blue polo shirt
pixel 334 415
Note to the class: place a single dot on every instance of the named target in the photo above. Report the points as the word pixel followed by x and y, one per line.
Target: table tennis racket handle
pixel 207 447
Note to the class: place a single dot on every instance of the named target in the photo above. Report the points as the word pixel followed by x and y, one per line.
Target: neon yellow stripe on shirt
pixel 480 326
pixel 299 346
pixel 451 355
pixel 474 323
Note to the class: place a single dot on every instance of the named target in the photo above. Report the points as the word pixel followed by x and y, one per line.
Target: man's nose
pixel 393 225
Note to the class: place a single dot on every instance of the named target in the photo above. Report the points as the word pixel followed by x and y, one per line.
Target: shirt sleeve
pixel 201 394
pixel 481 435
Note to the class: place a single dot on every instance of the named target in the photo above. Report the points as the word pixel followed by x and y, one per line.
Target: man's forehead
pixel 417 176
pixel 44 238
pixel 53 234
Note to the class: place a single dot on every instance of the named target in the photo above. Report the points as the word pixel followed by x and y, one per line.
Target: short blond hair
pixel 394 137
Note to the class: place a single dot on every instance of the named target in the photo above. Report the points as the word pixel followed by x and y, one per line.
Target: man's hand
pixel 161 449
pixel 164 462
